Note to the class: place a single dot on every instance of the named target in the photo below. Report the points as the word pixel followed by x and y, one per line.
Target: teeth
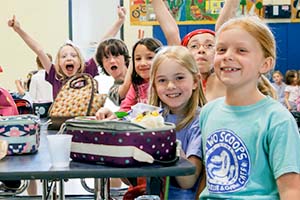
pixel 173 95
pixel 229 69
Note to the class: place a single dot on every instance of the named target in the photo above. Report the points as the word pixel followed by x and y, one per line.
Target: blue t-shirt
pixel 246 148
pixel 190 137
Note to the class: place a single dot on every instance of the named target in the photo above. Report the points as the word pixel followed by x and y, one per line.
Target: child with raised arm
pixel 142 54
pixel 113 57
pixel 176 87
pixel 200 42
pixel 69 60
pixel 251 148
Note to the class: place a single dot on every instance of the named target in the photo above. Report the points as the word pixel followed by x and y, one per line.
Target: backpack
pixel 23 106
pixel 7 104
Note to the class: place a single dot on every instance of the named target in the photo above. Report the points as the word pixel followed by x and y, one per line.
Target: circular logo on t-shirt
pixel 227 162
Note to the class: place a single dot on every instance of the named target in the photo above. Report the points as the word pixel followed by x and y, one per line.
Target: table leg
pixel 45 189
pixel 154 185
pixel 102 189
pixel 61 190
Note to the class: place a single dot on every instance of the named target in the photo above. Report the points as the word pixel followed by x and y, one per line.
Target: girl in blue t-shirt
pixel 176 87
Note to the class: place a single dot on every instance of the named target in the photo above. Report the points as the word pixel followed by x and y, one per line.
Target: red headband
pixel 188 36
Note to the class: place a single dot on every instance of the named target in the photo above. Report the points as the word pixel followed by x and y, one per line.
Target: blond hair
pixel 265 87
pixel 183 57
pixel 59 73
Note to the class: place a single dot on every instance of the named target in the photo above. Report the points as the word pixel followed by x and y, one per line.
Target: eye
pixel 74 55
pixel 161 80
pixel 210 46
pixel 150 57
pixel 138 58
pixel 178 78
pixel 242 50
pixel 194 46
pixel 220 50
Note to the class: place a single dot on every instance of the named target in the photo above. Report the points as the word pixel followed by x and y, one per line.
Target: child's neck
pixel 234 98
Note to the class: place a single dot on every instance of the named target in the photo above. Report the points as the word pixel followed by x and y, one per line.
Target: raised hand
pixel 13 23
pixel 121 13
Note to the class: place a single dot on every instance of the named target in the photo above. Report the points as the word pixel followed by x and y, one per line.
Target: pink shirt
pixel 131 100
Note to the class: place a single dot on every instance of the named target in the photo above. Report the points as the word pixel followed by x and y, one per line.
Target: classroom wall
pixel 46 21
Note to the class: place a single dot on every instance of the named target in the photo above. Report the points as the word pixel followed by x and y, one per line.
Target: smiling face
pixel 174 85
pixel 202 48
pixel 69 60
pixel 239 59
pixel 142 61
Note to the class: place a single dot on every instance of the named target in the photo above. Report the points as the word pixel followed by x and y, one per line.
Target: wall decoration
pixel 207 11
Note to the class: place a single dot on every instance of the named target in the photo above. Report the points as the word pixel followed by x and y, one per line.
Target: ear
pixel 267 65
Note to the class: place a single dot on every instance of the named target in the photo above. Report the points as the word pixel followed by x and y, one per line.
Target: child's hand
pixel 105 113
pixel 13 23
pixel 121 13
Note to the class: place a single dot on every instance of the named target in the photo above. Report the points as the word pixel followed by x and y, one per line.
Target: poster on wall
pixel 207 11
pixel 184 11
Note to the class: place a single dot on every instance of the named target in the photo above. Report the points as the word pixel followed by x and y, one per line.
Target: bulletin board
pixel 207 11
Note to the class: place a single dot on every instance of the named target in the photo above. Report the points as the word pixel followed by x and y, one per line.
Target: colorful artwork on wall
pixel 207 11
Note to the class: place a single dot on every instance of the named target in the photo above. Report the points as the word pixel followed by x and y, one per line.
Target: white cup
pixel 60 148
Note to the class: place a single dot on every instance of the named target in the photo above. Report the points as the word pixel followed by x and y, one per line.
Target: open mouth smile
pixel 70 67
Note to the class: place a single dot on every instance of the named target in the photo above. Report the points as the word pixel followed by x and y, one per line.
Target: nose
pixel 228 55
pixel 143 62
pixel 112 59
pixel 201 50
pixel 171 85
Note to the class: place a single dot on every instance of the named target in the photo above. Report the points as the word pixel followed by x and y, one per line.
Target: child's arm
pixel 186 182
pixel 286 100
pixel 289 186
pixel 112 32
pixel 167 22
pixel 20 87
pixel 32 44
pixel 123 89
pixel 227 12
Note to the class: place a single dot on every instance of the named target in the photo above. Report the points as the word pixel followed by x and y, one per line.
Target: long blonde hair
pixel 182 56
pixel 59 73
pixel 265 87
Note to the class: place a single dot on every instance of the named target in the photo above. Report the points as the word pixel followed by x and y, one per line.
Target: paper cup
pixel 59 148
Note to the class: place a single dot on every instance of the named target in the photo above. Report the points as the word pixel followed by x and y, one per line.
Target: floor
pixel 73 190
